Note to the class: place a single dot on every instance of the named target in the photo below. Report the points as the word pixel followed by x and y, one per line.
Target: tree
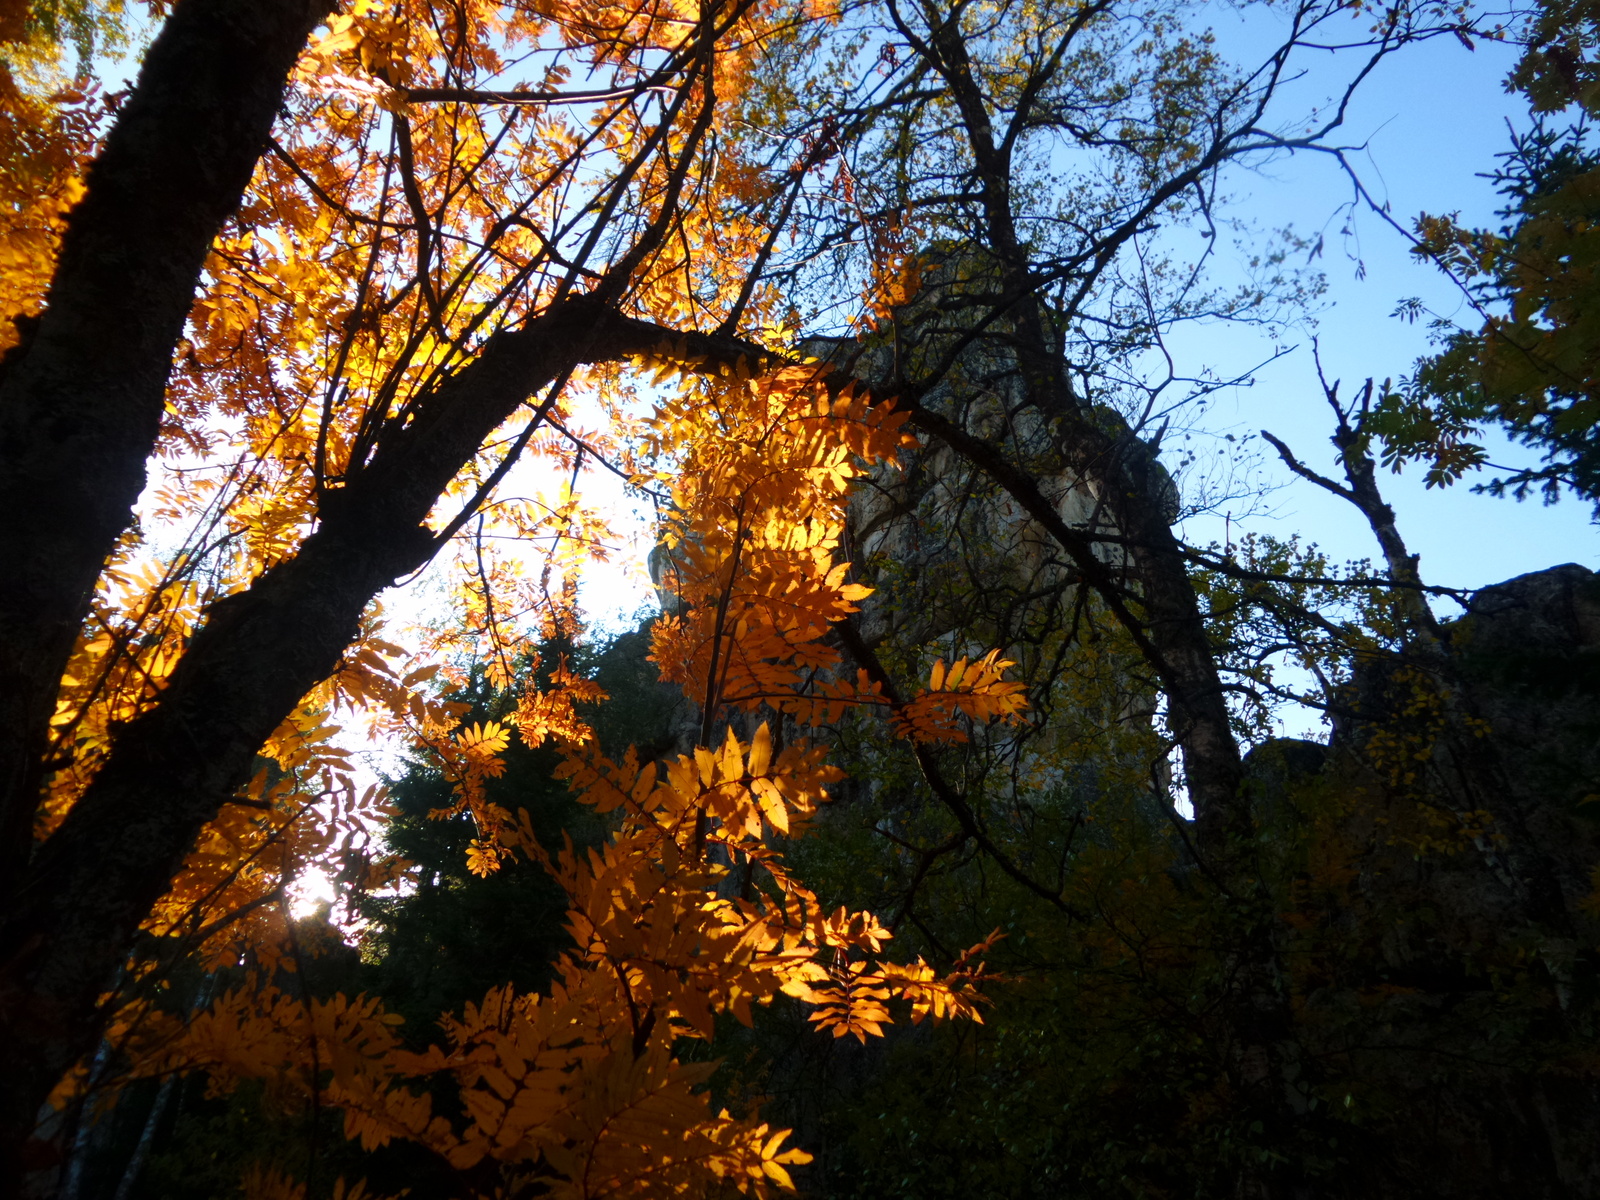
pixel 399 283
pixel 386 279
pixel 1528 368
pixel 1041 274
pixel 1038 507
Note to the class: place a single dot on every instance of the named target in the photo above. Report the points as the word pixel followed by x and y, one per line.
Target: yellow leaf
pixel 760 751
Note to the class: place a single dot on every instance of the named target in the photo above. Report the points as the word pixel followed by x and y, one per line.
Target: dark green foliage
pixel 1528 367
pixel 207 1145
pixel 426 952
pixel 458 935
pixel 1432 1028
pixel 1441 1041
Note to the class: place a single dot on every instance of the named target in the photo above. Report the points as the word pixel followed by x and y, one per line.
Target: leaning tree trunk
pixel 81 399
pixel 1160 609
pixel 81 396
pixel 75 909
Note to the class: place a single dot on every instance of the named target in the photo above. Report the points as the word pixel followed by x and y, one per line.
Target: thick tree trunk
pixel 1156 602
pixel 81 398
pixel 88 888
pixel 1174 633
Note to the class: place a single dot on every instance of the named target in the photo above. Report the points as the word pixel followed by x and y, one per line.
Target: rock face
pixel 1458 811
pixel 959 568
pixel 932 515
pixel 1504 719
pixel 1530 651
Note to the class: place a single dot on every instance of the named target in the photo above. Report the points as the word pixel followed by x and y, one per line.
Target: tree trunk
pixel 90 885
pixel 81 397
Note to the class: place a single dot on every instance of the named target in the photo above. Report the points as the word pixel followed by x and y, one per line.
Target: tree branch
pixel 850 638
pixel 81 400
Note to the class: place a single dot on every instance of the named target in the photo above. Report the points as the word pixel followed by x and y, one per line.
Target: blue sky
pixel 1432 120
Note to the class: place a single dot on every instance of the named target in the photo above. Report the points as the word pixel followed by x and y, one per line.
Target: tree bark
pixel 80 901
pixel 81 398
pixel 1170 614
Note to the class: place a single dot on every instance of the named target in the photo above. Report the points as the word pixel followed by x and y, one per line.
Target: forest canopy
pixel 933 837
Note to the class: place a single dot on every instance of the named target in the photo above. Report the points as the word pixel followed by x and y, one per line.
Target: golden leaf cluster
pixel 393 227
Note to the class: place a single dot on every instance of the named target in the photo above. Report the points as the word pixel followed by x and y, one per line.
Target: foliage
pixel 1529 368
pixel 409 219
pixel 1103 1066
pixel 583 1086
pixel 488 248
